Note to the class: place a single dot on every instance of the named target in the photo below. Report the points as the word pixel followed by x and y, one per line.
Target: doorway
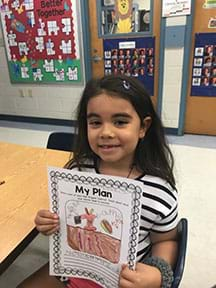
pixel 97 49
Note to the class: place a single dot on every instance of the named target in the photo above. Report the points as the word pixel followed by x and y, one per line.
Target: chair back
pixel 61 141
pixel 182 248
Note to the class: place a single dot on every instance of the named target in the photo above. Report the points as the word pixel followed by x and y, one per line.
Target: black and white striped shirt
pixel 159 208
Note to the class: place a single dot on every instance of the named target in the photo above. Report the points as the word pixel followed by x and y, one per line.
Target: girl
pixel 120 134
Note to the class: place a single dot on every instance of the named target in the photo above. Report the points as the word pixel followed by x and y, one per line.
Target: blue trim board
pixel 174 37
pixel 161 65
pixel 99 20
pixel 171 131
pixel 186 65
pixel 86 39
pixel 37 120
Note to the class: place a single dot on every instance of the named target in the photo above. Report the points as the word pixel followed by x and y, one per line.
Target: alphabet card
pixel 41 31
pixel 99 224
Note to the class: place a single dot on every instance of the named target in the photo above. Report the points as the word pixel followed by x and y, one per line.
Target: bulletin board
pixel 41 40
pixel 204 65
pixel 133 57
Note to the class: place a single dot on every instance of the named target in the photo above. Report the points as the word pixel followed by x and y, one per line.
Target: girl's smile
pixel 114 129
pixel 107 146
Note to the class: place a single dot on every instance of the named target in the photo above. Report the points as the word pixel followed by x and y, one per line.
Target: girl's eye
pixel 94 123
pixel 121 122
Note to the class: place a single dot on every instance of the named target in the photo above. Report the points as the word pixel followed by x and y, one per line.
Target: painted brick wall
pixel 51 101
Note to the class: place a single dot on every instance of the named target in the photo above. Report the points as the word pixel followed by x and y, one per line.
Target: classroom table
pixel 23 191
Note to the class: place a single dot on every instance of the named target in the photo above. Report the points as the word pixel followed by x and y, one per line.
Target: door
pixel 97 43
pixel 201 110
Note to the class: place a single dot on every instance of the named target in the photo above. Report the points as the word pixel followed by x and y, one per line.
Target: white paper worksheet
pixel 99 224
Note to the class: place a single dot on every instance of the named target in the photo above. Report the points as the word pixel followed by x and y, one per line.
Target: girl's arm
pixel 145 276
pixel 165 246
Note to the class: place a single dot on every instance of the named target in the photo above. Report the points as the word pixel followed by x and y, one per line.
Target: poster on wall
pixel 132 57
pixel 41 40
pixel 204 65
pixel 209 4
pixel 123 17
pixel 176 8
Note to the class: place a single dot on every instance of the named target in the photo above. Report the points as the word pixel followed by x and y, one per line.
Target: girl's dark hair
pixel 152 155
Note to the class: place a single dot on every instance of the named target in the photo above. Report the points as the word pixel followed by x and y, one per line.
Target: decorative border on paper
pixel 124 187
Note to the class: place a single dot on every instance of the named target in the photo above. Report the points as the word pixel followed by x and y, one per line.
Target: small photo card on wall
pixel 204 65
pixel 41 41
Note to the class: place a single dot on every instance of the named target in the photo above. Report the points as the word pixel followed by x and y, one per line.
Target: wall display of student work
pixel 204 65
pixel 132 57
pixel 41 40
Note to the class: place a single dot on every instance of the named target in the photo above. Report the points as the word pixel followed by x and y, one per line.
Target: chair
pixel 182 248
pixel 61 141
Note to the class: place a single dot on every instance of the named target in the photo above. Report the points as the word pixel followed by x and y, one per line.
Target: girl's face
pixel 114 129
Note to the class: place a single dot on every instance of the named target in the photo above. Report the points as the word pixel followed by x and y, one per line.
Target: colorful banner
pixel 41 40
pixel 204 65
pixel 132 57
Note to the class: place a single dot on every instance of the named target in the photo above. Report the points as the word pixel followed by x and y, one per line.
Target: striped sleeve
pixel 160 205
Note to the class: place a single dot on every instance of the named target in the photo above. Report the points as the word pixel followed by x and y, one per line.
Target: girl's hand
pixel 144 276
pixel 46 222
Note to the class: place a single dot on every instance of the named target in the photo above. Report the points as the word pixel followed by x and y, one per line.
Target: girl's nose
pixel 107 131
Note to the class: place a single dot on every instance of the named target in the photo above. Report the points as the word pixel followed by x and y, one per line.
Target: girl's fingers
pixel 45 217
pixel 50 232
pixel 47 229
pixel 46 221
pixel 127 273
pixel 124 283
pixel 47 214
pixel 43 228
pixel 127 277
